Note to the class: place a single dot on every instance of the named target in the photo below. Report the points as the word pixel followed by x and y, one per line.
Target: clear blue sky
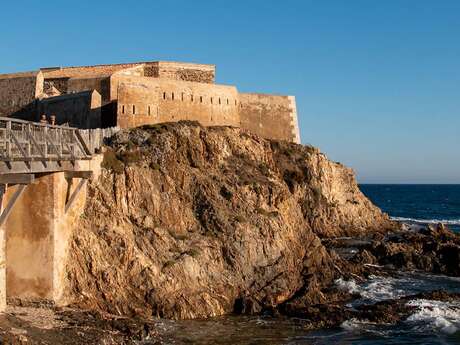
pixel 377 82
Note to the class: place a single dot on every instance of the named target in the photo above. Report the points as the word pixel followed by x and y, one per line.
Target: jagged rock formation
pixel 189 222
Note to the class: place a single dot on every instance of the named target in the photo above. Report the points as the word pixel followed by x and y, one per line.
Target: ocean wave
pixel 374 290
pixel 427 221
pixel 354 325
pixel 435 315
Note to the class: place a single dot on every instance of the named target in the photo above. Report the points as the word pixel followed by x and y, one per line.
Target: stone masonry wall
pixel 157 69
pixel 82 110
pixel 18 93
pixel 100 84
pixel 60 84
pixel 88 71
pixel 187 72
pixel 270 116
pixel 146 100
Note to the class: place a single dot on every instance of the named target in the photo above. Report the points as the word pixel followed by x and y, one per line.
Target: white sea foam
pixel 353 325
pixel 348 285
pixel 435 315
pixel 376 289
pixel 427 221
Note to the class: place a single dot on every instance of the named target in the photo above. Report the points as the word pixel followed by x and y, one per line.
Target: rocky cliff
pixel 192 222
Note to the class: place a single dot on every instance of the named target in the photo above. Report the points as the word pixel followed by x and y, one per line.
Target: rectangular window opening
pixel 148 110
pixel 122 109
pixel 134 109
pixel 211 100
pixel 164 95
pixel 172 96
pixel 201 99
pixel 219 101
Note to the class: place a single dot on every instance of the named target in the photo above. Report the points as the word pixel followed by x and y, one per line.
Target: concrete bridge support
pixel 37 233
pixel 34 236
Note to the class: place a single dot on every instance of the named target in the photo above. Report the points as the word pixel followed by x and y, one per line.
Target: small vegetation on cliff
pixel 111 162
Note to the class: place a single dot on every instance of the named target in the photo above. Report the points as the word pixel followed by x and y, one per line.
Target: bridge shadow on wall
pixel 100 117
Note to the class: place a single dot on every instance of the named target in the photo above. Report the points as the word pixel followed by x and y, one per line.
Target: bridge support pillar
pixel 36 237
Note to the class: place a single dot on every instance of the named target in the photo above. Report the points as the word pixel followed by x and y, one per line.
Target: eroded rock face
pixel 193 222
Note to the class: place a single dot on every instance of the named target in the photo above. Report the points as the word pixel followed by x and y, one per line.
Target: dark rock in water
pixel 435 250
pixel 391 311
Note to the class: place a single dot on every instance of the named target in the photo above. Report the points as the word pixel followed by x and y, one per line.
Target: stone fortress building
pixel 133 94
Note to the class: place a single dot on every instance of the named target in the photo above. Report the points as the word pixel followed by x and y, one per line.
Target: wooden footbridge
pixel 31 148
pixel 43 172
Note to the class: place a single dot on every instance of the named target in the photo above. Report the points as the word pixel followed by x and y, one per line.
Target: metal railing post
pixel 8 139
pixel 45 132
pixel 29 144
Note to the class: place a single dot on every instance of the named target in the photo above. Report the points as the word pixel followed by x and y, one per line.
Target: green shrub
pixel 176 236
pixel 193 252
pixel 240 219
pixel 111 162
pixel 169 263
pixel 264 169
pixel 155 166
pixel 131 157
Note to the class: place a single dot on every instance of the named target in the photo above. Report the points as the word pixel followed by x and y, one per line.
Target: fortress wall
pixel 82 110
pixel 270 116
pixel 148 100
pixel 211 105
pixel 18 93
pixel 101 84
pixel 163 69
pixel 87 71
pixel 138 103
pixel 187 72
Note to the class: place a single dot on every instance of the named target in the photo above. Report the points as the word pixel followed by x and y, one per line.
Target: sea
pixel 418 204
pixel 432 322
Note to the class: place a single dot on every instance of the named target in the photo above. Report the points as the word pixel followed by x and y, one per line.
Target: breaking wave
pixel 375 289
pixel 427 221
pixel 435 315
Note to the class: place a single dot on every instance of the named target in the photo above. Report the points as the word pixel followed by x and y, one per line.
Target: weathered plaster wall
pixel 18 93
pixel 269 116
pixel 2 266
pixel 82 110
pixel 29 241
pixel 63 225
pixel 146 100
pixel 37 235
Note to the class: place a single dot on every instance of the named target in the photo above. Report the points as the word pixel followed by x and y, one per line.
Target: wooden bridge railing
pixel 31 141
